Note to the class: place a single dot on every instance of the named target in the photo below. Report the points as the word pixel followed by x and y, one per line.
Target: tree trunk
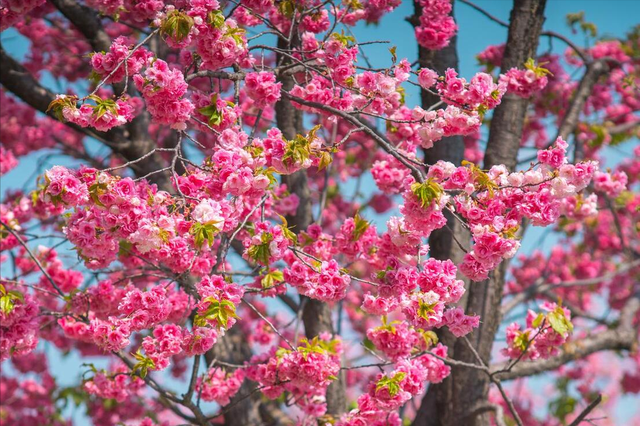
pixel 442 242
pixel 450 403
pixel 316 315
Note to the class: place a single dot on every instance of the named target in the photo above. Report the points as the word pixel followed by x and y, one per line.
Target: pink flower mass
pixel 242 213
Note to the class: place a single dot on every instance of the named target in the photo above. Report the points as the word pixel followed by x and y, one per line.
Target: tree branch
pixel 16 79
pixel 541 288
pixel 584 90
pixel 586 411
pixel 622 337
pixel 86 21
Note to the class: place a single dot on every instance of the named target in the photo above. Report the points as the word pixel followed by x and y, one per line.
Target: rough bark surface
pixel 130 145
pixel 446 403
pixel 234 349
pixel 525 25
pixel 316 315
pixel 485 298
pixel 442 242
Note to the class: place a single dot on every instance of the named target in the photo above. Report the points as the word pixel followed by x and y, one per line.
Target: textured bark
pixel 525 24
pixel 234 349
pixel 570 120
pixel 485 298
pixel 590 78
pixel 86 21
pixel 436 405
pixel 17 80
pixel 316 315
pixel 465 388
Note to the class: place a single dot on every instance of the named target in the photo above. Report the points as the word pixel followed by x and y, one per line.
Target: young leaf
pixel 559 321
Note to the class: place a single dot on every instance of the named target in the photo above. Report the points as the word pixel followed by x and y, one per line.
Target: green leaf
pixel 403 94
pixel 430 338
pixel 271 279
pixel 537 69
pixel 325 160
pixel 203 232
pixel 391 383
pixel 237 35
pixel 480 178
pixel 262 252
pixel 427 191
pixel 177 25
pixel 104 106
pixel 344 39
pixel 559 321
pixel 214 116
pixel 287 232
pixel 6 304
pixel 215 18
pixel 8 298
pixel 59 104
pixel 394 56
pixel 521 341
pixel 96 190
pixel 424 309
pixel 219 311
pixel 368 344
pixel 75 394
pixel 562 407
pixel 124 247
pixel 538 321
pixel 287 8
pixel 316 345
pixel 361 227
pixel 142 367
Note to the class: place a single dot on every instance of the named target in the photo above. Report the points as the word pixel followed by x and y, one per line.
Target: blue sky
pixel 612 17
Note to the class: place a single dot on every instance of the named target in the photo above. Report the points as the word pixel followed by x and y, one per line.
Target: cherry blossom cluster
pixel 304 371
pixel 219 386
pixel 165 342
pixel 103 116
pixel 114 384
pixel 390 391
pixel 436 24
pixel 62 186
pixel 219 299
pixel 267 243
pixel 163 248
pixel 543 335
pixel 287 157
pixel 337 55
pixel 324 282
pixel 480 91
pixel 8 162
pixel 525 82
pixel 220 43
pixel 23 131
pixel 163 90
pixel 262 88
pixel 28 396
pixel 13 11
pixel 111 67
pixel 19 326
pixel 611 184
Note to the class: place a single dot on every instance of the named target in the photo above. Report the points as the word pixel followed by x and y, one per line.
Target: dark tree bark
pixel 316 315
pixel 446 403
pixel 442 242
pixel 129 145
pixel 485 298
pixel 525 25
pixel 234 349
